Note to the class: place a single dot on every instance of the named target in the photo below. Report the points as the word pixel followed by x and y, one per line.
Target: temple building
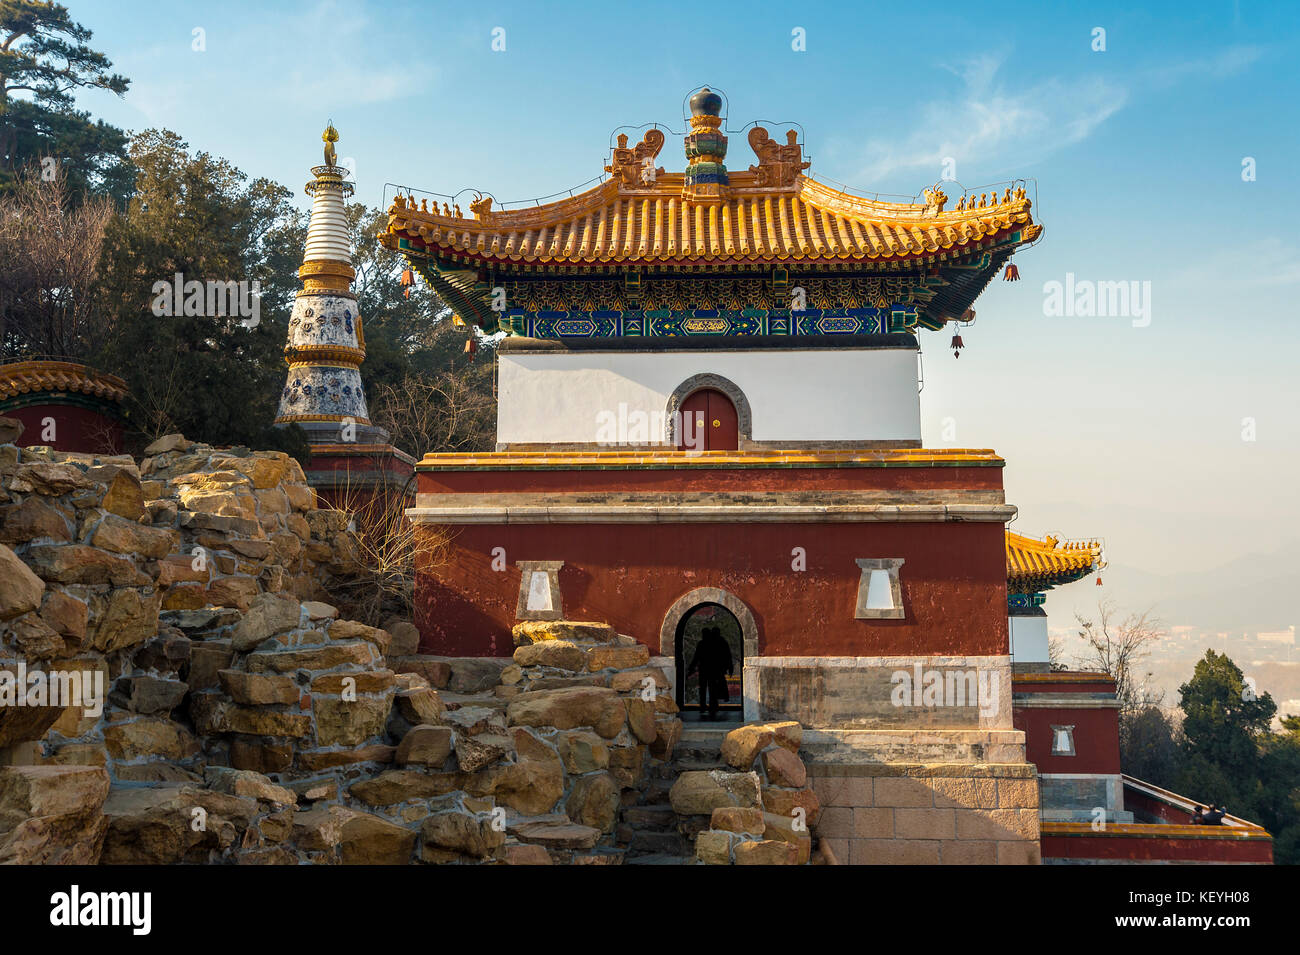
pixel 709 411
pixel 323 392
pixel 63 405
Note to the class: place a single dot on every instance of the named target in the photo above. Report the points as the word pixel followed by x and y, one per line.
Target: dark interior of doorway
pixel 689 630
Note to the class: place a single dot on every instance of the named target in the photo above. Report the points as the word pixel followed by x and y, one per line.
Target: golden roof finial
pixel 330 137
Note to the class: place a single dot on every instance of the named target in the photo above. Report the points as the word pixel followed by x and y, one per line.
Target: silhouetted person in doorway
pixel 712 659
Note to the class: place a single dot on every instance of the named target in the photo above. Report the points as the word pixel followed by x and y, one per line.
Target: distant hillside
pixel 1252 593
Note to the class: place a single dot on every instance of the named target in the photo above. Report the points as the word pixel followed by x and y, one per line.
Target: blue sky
pixel 1129 433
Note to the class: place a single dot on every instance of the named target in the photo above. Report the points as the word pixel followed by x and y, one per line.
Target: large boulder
pixel 11 429
pixel 699 792
pixel 20 589
pixel 539 631
pixel 369 840
pixel 129 617
pixel 594 801
pixel 121 536
pixel 767 852
pixel 258 689
pixel 425 745
pixel 267 615
pixel 149 736
pixel 345 721
pixel 742 745
pixel 535 782
pixel 598 707
pixel 170 824
pixel 249 784
pixel 477 752
pixel 463 832
pixel 618 658
pixel 561 654
pixel 52 815
pixel 34 519
pixel 401 785
pixel 557 834
pixel 82 564
pixel 784 768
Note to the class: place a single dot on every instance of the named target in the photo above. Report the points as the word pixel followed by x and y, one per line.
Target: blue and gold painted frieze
pixel 711 322
pixel 1025 601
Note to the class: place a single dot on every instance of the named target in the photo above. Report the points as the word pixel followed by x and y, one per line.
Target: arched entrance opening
pixel 693 661
pixel 709 422
pixel 679 636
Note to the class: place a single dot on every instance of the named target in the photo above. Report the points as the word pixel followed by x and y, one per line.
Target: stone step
pixel 651 818
pixel 656 791
pixel 660 859
pixel 653 843
pixel 694 765
pixel 699 754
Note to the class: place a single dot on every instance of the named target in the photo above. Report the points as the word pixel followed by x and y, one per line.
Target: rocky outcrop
pixel 201 699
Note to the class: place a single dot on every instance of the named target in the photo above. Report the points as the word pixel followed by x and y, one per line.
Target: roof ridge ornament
pixel 706 151
pixel 778 166
pixel 634 168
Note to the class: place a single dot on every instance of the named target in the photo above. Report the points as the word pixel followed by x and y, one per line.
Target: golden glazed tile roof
pixel 1034 565
pixel 28 377
pixel 804 222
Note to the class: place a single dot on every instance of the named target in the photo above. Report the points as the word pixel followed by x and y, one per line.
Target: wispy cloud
pixel 990 122
pixel 350 74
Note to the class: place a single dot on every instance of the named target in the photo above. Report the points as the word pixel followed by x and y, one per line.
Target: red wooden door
pixel 709 422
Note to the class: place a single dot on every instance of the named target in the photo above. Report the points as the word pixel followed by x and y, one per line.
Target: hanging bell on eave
pixel 1098 580
pixel 957 345
pixel 1012 274
pixel 408 279
pixel 471 346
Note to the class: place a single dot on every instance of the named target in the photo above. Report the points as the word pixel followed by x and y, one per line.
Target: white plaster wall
pixel 1028 639
pixel 815 395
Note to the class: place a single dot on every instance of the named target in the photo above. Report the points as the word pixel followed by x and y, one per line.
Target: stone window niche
pixel 1063 740
pixel 880 596
pixel 539 590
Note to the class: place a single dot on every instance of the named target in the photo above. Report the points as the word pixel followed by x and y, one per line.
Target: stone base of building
pixel 349 475
pixel 928 813
pixel 913 746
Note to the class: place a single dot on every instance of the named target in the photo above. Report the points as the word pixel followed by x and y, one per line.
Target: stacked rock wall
pixel 242 721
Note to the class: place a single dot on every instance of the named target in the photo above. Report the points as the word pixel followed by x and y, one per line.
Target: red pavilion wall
pixel 629 575
pixel 1096 738
pixel 75 428
pixel 1155 847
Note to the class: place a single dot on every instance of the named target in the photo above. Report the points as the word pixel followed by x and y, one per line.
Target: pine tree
pixel 44 59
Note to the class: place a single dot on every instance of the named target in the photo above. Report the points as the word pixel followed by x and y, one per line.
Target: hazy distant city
pixel 1245 609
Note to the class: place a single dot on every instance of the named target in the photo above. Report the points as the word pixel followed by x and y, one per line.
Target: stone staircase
pixel 653 833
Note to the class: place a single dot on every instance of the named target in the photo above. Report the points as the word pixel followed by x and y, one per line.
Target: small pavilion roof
pixel 806 223
pixel 21 378
pixel 1035 565
pixel 770 219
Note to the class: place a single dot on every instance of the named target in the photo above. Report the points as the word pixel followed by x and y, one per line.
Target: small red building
pixel 1092 812
pixel 64 405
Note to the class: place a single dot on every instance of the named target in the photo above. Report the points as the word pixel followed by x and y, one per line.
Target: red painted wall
pixel 629 575
pixel 1096 738
pixel 75 428
pixel 1158 848
pixel 696 478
